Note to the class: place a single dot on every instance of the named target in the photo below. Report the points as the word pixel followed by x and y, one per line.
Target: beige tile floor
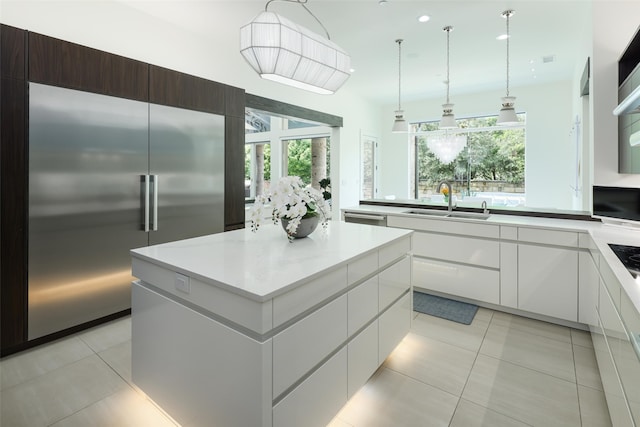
pixel 502 370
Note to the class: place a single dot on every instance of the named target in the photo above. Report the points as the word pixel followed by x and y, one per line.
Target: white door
pixel 368 167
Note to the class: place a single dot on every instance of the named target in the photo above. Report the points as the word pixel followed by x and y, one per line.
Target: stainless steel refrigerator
pixel 107 175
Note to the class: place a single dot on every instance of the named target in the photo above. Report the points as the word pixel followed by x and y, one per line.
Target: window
pixel 257 169
pixel 308 158
pixel 368 168
pixel 276 146
pixel 490 168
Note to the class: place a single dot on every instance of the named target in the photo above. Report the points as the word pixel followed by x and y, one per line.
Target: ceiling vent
pixel 548 58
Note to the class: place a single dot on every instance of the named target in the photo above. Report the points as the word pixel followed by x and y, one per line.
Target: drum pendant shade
pixel 280 50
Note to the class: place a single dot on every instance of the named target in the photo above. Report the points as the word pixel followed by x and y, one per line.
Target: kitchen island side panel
pixel 199 371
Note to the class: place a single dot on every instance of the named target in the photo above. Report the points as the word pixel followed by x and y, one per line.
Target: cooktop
pixel 630 257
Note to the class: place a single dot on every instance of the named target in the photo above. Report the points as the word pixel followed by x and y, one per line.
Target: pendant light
pixel 283 51
pixel 400 124
pixel 448 120
pixel 507 115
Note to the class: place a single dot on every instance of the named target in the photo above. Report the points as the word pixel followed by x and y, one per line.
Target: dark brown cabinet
pixel 168 87
pixel 12 52
pixel 59 63
pixel 13 186
pixel 234 175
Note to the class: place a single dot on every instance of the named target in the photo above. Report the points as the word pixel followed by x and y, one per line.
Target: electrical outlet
pixel 182 283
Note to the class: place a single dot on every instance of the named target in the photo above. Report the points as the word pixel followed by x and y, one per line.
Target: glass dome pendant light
pixel 507 115
pixel 448 120
pixel 400 124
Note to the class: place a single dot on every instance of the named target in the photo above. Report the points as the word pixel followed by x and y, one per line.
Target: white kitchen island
pixel 246 329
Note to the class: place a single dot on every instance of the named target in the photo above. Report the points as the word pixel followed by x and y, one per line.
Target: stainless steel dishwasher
pixel 369 219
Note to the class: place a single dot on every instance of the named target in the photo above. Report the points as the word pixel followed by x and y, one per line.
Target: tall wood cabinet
pixel 13 182
pixel 31 57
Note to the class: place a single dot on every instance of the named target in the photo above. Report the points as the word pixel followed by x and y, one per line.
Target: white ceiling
pixel 368 30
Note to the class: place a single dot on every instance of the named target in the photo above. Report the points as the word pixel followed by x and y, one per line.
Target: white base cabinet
pixel 620 362
pixel 588 282
pixel 609 339
pixel 548 281
pixel 531 269
pixel 466 266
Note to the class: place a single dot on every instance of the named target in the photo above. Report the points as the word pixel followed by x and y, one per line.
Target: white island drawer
pixel 302 346
pixel 363 357
pixel 296 301
pixel 394 251
pixel 317 400
pixel 393 326
pixel 362 267
pixel 394 281
pixel 363 304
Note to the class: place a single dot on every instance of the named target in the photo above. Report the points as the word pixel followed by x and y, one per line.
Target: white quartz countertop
pixel 602 234
pixel 265 264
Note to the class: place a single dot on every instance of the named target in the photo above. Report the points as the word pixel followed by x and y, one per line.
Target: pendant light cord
pixel 507 14
pixel 399 41
pixel 303 4
pixel 448 30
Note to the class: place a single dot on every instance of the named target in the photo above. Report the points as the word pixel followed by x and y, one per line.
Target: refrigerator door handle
pixel 154 188
pixel 144 196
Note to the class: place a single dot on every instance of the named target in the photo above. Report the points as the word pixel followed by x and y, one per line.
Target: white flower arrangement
pixel 292 200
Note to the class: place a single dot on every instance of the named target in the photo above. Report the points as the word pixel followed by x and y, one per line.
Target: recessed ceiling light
pixel 352 70
pixel 502 37
pixel 382 2
pixel 423 18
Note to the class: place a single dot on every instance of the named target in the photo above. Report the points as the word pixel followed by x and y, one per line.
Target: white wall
pixel 136 30
pixel 614 24
pixel 580 111
pixel 549 171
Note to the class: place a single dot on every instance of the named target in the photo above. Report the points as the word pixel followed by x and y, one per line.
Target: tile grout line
pixel 534 331
pixel 523 367
pixel 530 369
pixel 475 359
pixel 60 341
pixel 469 376
pixel 38 377
pixel 536 369
pixel 575 369
pixel 97 354
pixel 440 340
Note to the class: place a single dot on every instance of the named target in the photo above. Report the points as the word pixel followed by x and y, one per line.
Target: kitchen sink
pixel 447 214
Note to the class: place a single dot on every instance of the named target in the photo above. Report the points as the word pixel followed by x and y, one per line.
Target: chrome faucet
pixel 484 207
pixel 448 184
